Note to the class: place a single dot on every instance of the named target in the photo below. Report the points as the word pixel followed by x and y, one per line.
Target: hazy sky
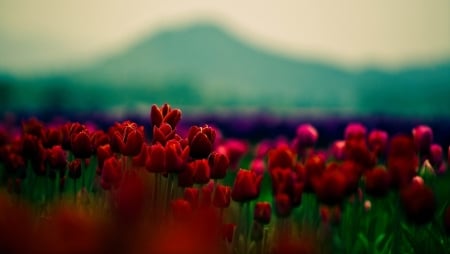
pixel 42 34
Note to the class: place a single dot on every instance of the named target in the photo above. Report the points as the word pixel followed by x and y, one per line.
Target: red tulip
pixel 283 205
pixel 176 157
pixel 81 145
pixel 99 138
pixel 103 153
pixel 314 167
pixel 378 141
pixel 234 149
pixel 163 133
pixel 156 159
pixel 418 203
pixel 33 127
pixel 282 157
pixel 191 195
pixel 222 196
pixel 181 209
pixel 228 231
pixel 262 212
pixel 186 176
pixel 57 158
pixel 377 182
pixel 218 164
pixel 331 187
pixel 127 138
pixel 53 136
pixel 75 169
pixel 246 186
pixel 111 173
pixel 201 140
pixel 164 114
pixel 306 137
pixel 423 137
pixel 436 155
pixel 202 171
pixel 355 131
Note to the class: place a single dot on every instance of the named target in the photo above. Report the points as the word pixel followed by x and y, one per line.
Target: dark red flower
pixel 140 159
pixel 283 205
pixel 436 155
pixel 191 195
pixel 355 131
pixel 314 167
pixel 282 157
pixel 402 161
pixel 164 114
pixel 377 182
pixel 423 137
pixel 218 164
pixel 331 187
pixel 57 158
pixel 206 195
pixel 14 163
pixel 69 129
pixel 181 209
pixel 33 127
pixel 111 173
pixel 176 157
pixel 163 133
pixel 306 137
pixel 222 196
pixel 201 169
pixel 353 172
pixel 234 149
pixel 262 212
pixel 282 180
pixel 156 159
pixel 53 136
pixel 32 148
pixel 103 153
pixel 81 145
pixel 246 186
pixel 419 203
pixel 75 169
pixel 378 140
pixel 99 138
pixel 228 231
pixel 201 140
pixel 186 176
pixel 127 138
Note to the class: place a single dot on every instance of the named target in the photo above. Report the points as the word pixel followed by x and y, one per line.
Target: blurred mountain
pixel 203 66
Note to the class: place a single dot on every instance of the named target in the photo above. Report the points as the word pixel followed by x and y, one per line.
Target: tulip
pixel 75 169
pixel 355 131
pixel 423 136
pixel 127 138
pixel 262 212
pixel 164 114
pixel 57 157
pixel 338 150
pixel 246 186
pixel 283 205
pixel 377 182
pixel 81 145
pixel 111 173
pixel 53 136
pixel 306 137
pixel 222 196
pixel 378 141
pixel 201 141
pixel 155 162
pixel 181 209
pixel 202 171
pixel 331 187
pixel 191 195
pixel 436 155
pixel 419 203
pixel 218 164
pixel 281 157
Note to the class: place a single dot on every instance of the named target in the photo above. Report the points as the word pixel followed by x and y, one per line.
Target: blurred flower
pixel 378 140
pixel 246 186
pixel 129 197
pixel 314 167
pixel 418 203
pixel 355 131
pixel 423 136
pixel 228 231
pixel 191 195
pixel 201 140
pixel 81 145
pixel 338 150
pixel 103 153
pixel 418 180
pixel 262 212
pixel 402 161
pixel 234 149
pixel 330 188
pixel 306 137
pixel 367 205
pixel 111 173
pixel 75 169
pixel 57 158
pixel 282 157
pixel 99 138
pixel 202 171
pixel 436 155
pixel 33 127
pixel 377 182
pixel 283 205
pixel 156 159
pixel 164 114
pixel 52 136
pixel 222 196
pixel 258 166
pixel 218 164
pixel 181 209
pixel 175 156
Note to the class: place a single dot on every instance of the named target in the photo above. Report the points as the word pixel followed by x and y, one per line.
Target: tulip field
pixel 155 187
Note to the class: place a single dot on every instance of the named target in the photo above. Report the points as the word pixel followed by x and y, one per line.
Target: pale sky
pixel 48 34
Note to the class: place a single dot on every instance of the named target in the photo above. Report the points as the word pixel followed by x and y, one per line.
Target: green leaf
pixel 379 239
pixel 363 240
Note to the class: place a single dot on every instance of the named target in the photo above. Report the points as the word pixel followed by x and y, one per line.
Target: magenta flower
pixel 423 137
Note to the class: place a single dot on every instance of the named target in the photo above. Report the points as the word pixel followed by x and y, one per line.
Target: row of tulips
pixel 188 194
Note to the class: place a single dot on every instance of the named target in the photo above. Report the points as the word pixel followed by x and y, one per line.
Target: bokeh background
pixel 230 58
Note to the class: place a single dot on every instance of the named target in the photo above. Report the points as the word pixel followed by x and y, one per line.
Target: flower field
pixel 82 187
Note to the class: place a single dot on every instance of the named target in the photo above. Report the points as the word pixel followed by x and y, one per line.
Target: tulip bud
pixel 111 173
pixel 81 145
pixel 181 209
pixel 419 203
pixel 355 131
pixel 191 195
pixel 378 141
pixel 367 205
pixel 283 205
pixel 246 186
pixel 155 162
pixel 201 141
pixel 423 136
pixel 218 164
pixel 57 158
pixel 75 169
pixel 202 171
